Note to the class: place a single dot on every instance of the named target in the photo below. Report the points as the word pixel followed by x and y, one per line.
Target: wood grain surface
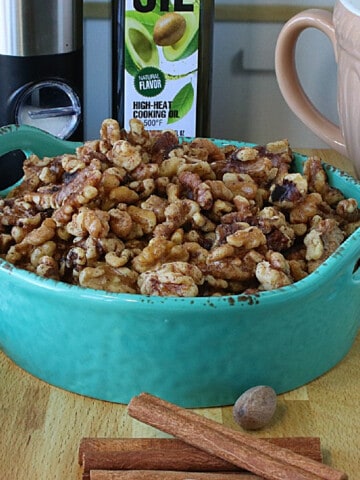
pixel 41 426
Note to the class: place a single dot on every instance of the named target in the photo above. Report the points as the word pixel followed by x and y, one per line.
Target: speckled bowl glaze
pixel 196 352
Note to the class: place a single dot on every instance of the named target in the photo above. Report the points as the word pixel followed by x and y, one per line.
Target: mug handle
pixel 288 80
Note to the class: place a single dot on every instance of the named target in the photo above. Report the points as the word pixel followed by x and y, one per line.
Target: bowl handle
pixel 354 270
pixel 32 140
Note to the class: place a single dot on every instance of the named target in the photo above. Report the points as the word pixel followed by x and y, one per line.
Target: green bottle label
pixel 161 64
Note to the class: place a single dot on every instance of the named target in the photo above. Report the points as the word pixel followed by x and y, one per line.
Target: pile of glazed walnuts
pixel 140 212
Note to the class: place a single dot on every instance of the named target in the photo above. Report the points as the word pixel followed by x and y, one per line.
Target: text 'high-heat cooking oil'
pixel 162 64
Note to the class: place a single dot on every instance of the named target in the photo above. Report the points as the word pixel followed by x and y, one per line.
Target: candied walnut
pixel 94 222
pixel 117 260
pixel 269 218
pixel 280 239
pixel 241 184
pixel 219 209
pixel 163 144
pixel 177 214
pixel 125 155
pixel 44 200
pixel 75 193
pixel 219 190
pixel 279 234
pixel 349 214
pixel 137 134
pixel 32 167
pixel 6 241
pixel 261 169
pixel 105 277
pixel 123 194
pixel 120 222
pixel 203 223
pixel 280 147
pixel 323 239
pixel 173 192
pixel 198 190
pixel 198 167
pixel 111 178
pixel 158 251
pixel 298 269
pixel 247 236
pixel 351 227
pixel 157 205
pixel 245 211
pixel 170 166
pixel 281 157
pixel 181 211
pixel 231 268
pixel 144 188
pixel 145 171
pixel 314 245
pixel 145 218
pixel 91 246
pixel 178 236
pixel 111 244
pixel 226 228
pixel 76 258
pixel 63 215
pixel 161 184
pixel 94 150
pixel 179 279
pixel 193 236
pixel 110 131
pixel 71 163
pixel 347 207
pixel 315 174
pixel 317 179
pixel 47 176
pixel 220 252
pixel 13 255
pixel 291 189
pixel 20 213
pixel 213 152
pixel 197 254
pixel 47 249
pixel 46 231
pixel 306 209
pixel 273 272
pixel 246 154
pixel 48 268
pixel 299 229
pixel 216 283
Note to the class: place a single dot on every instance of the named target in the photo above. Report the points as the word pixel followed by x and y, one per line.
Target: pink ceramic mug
pixel 343 29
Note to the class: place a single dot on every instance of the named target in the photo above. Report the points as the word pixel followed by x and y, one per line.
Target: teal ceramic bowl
pixel 196 352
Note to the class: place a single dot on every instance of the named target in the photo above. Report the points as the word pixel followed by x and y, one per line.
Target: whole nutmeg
pixel 169 28
pixel 255 407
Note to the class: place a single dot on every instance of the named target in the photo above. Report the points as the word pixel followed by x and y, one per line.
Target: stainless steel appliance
pixel 41 70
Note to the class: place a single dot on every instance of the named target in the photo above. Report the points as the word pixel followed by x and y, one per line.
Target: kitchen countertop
pixel 41 425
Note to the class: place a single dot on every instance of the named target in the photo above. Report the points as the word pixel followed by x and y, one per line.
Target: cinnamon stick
pixel 166 475
pixel 253 454
pixel 170 454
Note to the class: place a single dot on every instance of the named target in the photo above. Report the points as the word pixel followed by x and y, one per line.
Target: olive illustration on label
pixel 187 44
pixel 169 29
pixel 140 49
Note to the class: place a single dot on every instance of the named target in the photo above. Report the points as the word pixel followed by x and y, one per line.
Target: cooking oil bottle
pixel 162 59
